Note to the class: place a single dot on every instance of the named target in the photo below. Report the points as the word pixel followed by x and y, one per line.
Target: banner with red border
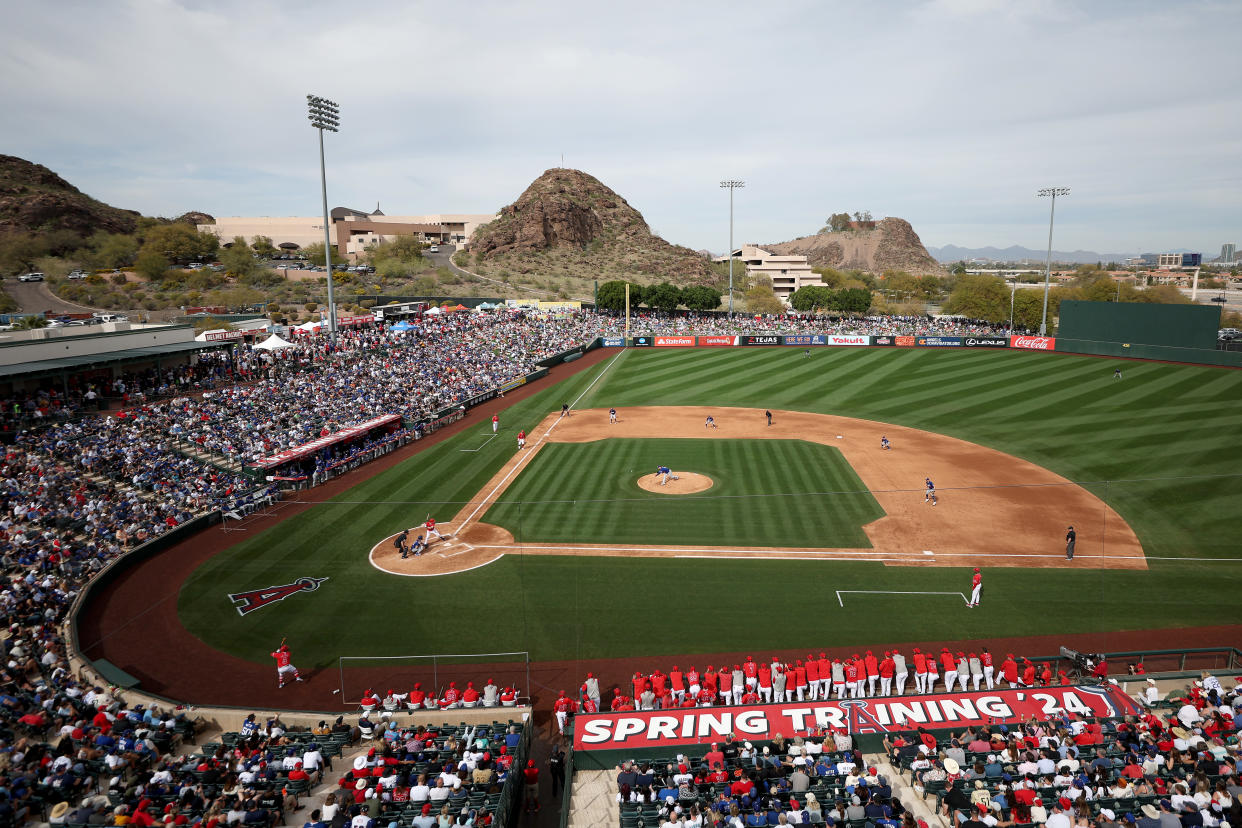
pixel 699 725
pixel 674 341
pixel 717 341
pixel 1033 343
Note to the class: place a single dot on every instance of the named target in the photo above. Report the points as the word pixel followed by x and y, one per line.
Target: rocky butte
pixel 891 245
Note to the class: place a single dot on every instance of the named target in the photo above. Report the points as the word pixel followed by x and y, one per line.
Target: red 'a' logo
pixel 248 602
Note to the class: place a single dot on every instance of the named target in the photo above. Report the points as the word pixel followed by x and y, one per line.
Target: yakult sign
pixel 833 339
pixel 696 725
pixel 1033 343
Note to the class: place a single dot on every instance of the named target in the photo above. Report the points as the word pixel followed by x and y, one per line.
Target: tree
pixel 838 222
pixel 113 249
pixel 30 323
pixel 611 296
pixel 1028 309
pixel 263 246
pixel 700 298
pixel 761 299
pixel 853 300
pixel 979 297
pixel 900 284
pixel 663 297
pixel 151 266
pixel 238 260
pixel 812 298
pixel 831 277
pixel 180 242
pixel 957 268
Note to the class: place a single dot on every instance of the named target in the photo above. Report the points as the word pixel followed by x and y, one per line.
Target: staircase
pixel 904 792
pixel 593 803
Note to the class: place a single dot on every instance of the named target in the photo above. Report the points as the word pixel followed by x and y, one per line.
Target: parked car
pixel 77 275
pixel 435 248
pixel 1229 334
pixel 31 277
pixel 110 317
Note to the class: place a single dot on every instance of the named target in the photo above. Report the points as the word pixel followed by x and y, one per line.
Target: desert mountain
pixel 568 222
pixel 891 245
pixel 34 199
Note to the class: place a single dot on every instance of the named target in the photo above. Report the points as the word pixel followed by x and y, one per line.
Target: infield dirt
pixel 993 509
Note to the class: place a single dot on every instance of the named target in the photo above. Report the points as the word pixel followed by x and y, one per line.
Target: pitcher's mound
pixel 685 483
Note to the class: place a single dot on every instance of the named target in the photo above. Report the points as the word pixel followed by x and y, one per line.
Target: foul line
pixel 495 434
pixel 892 592
pixel 504 481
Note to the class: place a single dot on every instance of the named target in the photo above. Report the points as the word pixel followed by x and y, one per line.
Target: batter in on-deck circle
pixel 284 666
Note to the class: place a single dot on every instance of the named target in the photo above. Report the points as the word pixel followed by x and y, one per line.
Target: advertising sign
pixel 641 341
pixel 717 341
pixel 904 341
pixel 761 340
pixel 323 442
pixel 697 725
pixel 806 339
pixel 614 342
pixel 513 383
pixel 224 336
pixel 883 340
pixel 674 341
pixel 986 342
pixel 849 340
pixel 939 341
pixel 1033 343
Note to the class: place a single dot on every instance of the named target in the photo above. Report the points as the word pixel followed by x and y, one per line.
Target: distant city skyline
pixel 948 113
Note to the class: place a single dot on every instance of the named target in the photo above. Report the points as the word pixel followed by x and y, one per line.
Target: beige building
pixel 788 273
pixel 351 231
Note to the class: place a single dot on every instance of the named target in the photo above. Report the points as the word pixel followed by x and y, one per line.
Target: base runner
pixel 284 666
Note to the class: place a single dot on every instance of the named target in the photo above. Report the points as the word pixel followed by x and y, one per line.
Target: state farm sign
pixel 695 725
pixel 848 340
pixel 674 341
pixel 1033 343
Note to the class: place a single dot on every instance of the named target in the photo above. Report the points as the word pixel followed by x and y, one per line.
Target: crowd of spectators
pixel 1176 770
pixel 663 324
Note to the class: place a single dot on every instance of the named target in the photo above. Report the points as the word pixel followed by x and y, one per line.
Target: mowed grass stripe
pixel 739 510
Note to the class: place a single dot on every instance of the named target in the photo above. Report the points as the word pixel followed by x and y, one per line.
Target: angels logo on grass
pixel 248 602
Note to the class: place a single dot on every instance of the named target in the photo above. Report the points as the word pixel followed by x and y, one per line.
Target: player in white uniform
pixel 976 588
pixel 665 473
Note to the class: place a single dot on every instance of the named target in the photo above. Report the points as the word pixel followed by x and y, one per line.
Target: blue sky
pixel 949 113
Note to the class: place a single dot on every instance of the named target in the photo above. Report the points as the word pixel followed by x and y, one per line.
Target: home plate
pixel 839 437
pixel 928 552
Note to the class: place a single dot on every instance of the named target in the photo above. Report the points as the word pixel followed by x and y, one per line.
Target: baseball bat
pixel 282 642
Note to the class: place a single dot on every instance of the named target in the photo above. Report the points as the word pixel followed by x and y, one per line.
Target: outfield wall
pixel 1058 344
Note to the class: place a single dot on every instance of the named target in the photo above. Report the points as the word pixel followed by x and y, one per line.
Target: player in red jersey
pixel 284 666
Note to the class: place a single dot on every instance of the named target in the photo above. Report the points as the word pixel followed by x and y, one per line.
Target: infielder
pixel 284 666
pixel 884 443
pixel 429 529
pixel 711 422
pixel 930 494
pixel 495 423
pixel 612 416
pixel 665 473
pixel 976 588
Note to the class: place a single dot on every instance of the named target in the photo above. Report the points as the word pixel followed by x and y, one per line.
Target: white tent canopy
pixel 433 311
pixel 273 343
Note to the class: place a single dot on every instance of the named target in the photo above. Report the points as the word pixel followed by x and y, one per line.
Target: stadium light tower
pixel 1049 192
pixel 731 185
pixel 325 114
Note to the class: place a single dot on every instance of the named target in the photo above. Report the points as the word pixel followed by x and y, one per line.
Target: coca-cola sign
pixel 1033 343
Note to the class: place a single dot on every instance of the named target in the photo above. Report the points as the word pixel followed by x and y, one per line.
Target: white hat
pixel 951 765
pixel 1108 814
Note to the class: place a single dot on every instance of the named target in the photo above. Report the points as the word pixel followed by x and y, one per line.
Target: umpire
pixel 1070 537
pixel 400 542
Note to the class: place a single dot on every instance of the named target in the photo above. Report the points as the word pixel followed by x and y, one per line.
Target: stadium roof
pixel 47 366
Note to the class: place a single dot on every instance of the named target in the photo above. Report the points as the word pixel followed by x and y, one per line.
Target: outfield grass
pixel 597 498
pixel 1167 430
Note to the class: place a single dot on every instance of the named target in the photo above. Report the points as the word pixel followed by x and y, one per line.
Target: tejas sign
pixel 761 340
pixel 986 342
pixel 1033 343
pixel 848 340
pixel 695 725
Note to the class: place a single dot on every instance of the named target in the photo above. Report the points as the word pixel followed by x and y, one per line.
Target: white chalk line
pixel 435 574
pixel 504 480
pixel 860 553
pixel 495 434
pixel 841 592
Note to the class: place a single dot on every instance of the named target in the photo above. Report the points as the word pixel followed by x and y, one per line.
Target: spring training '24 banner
pixel 696 725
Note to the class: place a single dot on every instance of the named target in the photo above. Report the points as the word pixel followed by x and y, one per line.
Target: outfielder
pixel 976 588
pixel 284 665
pixel 665 473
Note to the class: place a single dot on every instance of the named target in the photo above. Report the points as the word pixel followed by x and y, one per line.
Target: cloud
pixel 949 113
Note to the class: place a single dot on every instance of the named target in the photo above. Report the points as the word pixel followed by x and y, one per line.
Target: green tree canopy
pixel 261 245
pixel 151 265
pixel 700 297
pixel 180 242
pixel 611 296
pixel 761 299
pixel 838 222
pixel 238 260
pixel 979 296
pixel 812 298
pixel 664 296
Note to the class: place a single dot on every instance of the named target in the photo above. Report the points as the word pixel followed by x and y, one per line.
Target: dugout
pixel 1181 333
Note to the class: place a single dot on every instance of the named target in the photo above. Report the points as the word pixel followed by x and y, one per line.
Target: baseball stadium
pixel 529 568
